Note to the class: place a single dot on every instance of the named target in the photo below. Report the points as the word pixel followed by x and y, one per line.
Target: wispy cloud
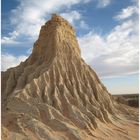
pixel 11 39
pixel 127 13
pixel 84 25
pixel 71 16
pixel 103 3
pixel 75 18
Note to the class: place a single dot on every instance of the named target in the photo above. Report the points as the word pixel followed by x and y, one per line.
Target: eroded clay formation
pixel 55 95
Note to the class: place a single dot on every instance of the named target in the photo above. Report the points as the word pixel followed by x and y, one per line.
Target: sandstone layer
pixel 55 95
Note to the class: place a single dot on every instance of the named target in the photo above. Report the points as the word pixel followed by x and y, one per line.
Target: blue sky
pixel 107 32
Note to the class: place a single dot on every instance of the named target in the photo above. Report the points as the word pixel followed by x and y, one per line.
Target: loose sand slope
pixel 55 95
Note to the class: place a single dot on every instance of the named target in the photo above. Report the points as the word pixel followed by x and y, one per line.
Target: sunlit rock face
pixel 55 95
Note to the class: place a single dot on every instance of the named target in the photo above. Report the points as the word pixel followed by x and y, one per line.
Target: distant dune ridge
pixel 55 95
pixel 128 99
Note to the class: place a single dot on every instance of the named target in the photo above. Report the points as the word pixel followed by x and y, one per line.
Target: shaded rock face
pixel 54 94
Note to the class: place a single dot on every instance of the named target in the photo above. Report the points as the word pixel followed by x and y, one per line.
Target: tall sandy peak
pixel 55 95
pixel 56 37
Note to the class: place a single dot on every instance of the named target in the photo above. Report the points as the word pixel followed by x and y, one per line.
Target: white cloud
pixel 71 16
pixel 11 39
pixel 127 12
pixel 103 3
pixel 84 25
pixel 115 54
pixel 8 61
pixel 75 18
